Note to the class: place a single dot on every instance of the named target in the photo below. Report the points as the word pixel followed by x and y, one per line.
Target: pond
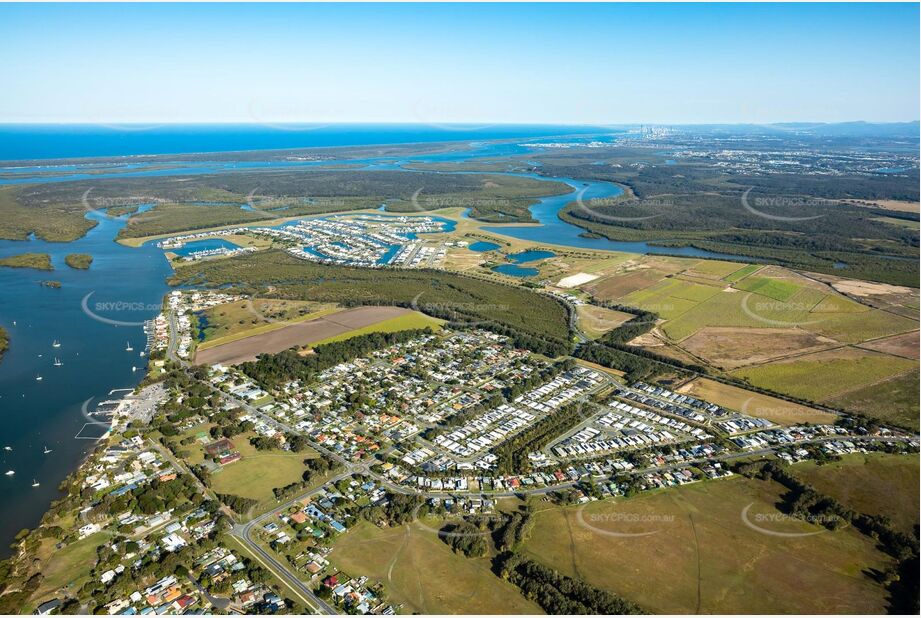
pixel 530 256
pixel 482 246
pixel 515 270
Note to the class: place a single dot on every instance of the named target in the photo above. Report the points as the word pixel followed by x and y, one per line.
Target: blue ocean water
pixel 34 141
pixel 126 285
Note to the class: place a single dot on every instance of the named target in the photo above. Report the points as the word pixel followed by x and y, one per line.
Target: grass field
pixel 595 321
pixel 824 375
pixel 69 566
pixel 259 472
pixel 756 404
pixel 408 321
pixel 875 484
pixel 894 400
pixel 244 318
pixel 701 557
pixel 38 261
pixel 421 572
pixel 777 289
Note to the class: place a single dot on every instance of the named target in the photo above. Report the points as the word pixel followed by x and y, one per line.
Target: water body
pixel 18 142
pixel 515 270
pixel 482 246
pixel 530 256
pixel 126 285
pixel 204 245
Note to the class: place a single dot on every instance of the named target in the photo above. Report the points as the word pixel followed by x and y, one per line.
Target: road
pixel 243 531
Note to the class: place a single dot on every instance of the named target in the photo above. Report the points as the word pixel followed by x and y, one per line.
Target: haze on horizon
pixel 588 64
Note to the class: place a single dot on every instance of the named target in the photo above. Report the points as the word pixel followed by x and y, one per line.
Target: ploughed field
pixel 297 334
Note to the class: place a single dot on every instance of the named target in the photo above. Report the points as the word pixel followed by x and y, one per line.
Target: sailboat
pixel 47 450
pixel 35 483
pixel 56 344
pixel 128 347
pixel 57 362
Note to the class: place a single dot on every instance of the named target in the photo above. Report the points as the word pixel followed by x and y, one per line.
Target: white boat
pixel 35 483
pixel 128 347
pixel 47 450
pixel 133 368
pixel 56 344
pixel 142 353
pixel 57 362
pixel 38 378
pixel 7 448
pixel 10 472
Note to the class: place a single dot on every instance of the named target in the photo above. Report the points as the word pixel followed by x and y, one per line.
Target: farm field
pixel 731 348
pixel 595 321
pixel 243 318
pixel 407 321
pixel 894 400
pixel 421 572
pixel 764 406
pixel 824 375
pixel 906 345
pixel 875 484
pixel 699 556
pixel 311 331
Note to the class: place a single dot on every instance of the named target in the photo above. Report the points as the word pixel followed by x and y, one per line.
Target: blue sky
pixel 522 63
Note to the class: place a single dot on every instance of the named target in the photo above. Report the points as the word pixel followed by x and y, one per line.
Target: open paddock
pixel 687 550
pixel 298 334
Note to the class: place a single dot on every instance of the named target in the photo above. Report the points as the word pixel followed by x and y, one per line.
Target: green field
pixel 824 375
pixel 408 321
pixel 894 401
pixel 875 484
pixel 259 472
pixel 38 261
pixel 430 290
pixel 778 289
pixel 421 572
pixel 742 273
pixel 69 566
pixel 702 558
pixel 244 318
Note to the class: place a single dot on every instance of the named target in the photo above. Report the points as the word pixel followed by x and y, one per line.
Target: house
pixel 47 607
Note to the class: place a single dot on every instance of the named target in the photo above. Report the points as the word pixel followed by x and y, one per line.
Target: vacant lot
pixel 894 401
pixel 905 345
pixel 731 348
pixel 408 321
pixel 421 572
pixel 699 556
pixel 259 472
pixel 298 334
pixel 243 318
pixel 595 321
pixel 875 484
pixel 618 286
pixel 756 404
pixel 824 375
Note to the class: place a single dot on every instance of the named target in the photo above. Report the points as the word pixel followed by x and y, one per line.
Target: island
pixel 38 261
pixel 81 261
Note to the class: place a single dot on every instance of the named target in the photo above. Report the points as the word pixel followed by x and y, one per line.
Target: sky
pixel 421 63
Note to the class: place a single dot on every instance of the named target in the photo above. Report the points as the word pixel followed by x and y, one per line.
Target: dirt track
pixel 298 334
